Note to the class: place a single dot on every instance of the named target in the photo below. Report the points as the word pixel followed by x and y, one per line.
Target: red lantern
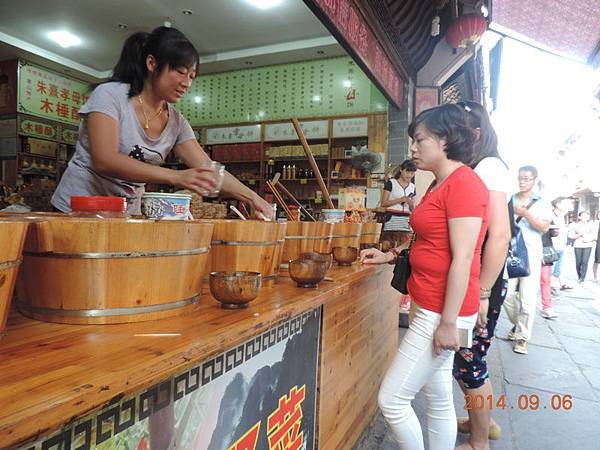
pixel 466 30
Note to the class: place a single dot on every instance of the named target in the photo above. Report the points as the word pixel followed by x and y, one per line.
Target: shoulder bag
pixel 402 269
pixel 549 253
pixel 517 262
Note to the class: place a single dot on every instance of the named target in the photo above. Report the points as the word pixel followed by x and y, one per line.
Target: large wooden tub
pixel 346 235
pixel 248 245
pixel 12 237
pixel 304 237
pixel 112 270
pixel 369 234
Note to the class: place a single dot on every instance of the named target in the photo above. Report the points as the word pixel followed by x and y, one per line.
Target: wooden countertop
pixel 51 373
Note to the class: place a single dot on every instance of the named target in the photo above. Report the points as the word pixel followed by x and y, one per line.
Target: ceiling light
pixel 261 114
pixel 264 4
pixel 316 98
pixel 198 99
pixel 122 26
pixel 64 38
pixel 347 83
pixel 187 12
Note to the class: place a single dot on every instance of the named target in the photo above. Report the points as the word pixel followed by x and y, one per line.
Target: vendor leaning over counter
pixel 129 127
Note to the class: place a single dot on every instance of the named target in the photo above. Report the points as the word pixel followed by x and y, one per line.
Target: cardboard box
pixel 352 199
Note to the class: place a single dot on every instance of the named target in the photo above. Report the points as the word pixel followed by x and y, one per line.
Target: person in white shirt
pixel 583 234
pixel 397 199
pixel 470 365
pixel 559 243
pixel 533 214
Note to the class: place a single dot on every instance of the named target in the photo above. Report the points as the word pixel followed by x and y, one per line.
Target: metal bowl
pixel 317 256
pixel 234 289
pixel 307 273
pixel 345 256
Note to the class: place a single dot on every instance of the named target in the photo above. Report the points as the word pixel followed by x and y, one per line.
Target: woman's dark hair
pixel 407 164
pixel 487 144
pixel 169 47
pixel 448 121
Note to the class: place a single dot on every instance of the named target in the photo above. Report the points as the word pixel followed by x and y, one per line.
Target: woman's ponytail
pixel 131 66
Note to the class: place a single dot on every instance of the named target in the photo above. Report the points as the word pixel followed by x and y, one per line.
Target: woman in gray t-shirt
pixel 129 126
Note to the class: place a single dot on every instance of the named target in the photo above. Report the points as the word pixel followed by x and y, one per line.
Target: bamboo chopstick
pixel 313 163
pixel 279 199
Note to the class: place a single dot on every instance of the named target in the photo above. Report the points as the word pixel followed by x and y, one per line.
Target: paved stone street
pixel 564 358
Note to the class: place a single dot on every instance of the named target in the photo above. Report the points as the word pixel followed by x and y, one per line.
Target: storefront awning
pixel 565 27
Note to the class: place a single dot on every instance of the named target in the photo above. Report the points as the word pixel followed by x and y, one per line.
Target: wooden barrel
pixel 112 270
pixel 304 237
pixel 370 233
pixel 248 246
pixel 12 237
pixel 346 235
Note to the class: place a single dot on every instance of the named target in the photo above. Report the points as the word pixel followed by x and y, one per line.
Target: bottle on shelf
pixel 293 172
pixel 284 172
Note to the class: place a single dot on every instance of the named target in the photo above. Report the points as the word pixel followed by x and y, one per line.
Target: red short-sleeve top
pixel 461 194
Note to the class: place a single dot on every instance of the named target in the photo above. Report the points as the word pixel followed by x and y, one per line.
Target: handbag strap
pixel 511 216
pixel 529 205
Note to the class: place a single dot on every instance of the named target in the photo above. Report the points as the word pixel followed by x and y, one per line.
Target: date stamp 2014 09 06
pixel 525 402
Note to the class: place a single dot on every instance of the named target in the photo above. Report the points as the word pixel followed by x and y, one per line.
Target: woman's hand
pixel 483 312
pixel 445 338
pixel 262 207
pixel 374 256
pixel 199 179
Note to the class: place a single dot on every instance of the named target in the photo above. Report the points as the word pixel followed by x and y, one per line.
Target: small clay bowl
pixel 317 256
pixel 234 289
pixel 345 256
pixel 307 273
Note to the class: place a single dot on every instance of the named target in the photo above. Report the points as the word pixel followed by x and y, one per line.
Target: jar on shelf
pixel 100 207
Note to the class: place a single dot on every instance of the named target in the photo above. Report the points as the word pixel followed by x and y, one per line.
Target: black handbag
pixel 517 262
pixel 402 269
pixel 549 254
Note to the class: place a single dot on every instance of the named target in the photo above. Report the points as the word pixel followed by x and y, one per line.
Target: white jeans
pixel 416 367
pixel 520 306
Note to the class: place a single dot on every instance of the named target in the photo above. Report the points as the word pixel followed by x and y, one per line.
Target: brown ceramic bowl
pixel 234 289
pixel 317 256
pixel 345 256
pixel 307 273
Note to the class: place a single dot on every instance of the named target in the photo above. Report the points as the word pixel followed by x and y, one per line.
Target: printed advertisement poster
pixel 260 395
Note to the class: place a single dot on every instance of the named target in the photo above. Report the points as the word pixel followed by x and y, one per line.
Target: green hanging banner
pixel 47 94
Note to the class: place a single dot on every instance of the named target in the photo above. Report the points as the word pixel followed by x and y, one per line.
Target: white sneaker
pixel 549 313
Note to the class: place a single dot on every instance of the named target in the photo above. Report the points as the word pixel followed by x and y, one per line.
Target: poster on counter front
pixel 259 395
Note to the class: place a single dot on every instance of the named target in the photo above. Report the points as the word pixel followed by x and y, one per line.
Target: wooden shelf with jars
pixel 39 158
pixel 279 150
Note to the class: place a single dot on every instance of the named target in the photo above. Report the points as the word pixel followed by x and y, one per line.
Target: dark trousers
pixel 582 257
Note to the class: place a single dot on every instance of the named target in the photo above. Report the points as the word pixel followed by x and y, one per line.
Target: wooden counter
pixel 53 373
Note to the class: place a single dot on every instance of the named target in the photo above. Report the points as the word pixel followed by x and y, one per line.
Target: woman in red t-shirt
pixel 449 223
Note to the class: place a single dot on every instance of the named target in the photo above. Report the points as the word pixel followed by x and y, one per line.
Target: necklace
pixel 147 123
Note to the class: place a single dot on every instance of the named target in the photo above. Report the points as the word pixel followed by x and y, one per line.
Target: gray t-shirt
pixel 80 178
